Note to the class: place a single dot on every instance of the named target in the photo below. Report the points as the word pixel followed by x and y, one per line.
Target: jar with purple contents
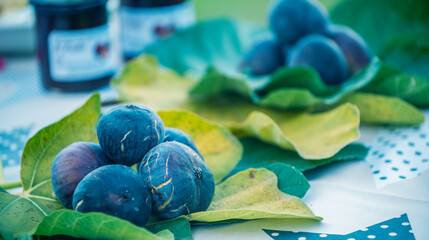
pixel 145 21
pixel 74 44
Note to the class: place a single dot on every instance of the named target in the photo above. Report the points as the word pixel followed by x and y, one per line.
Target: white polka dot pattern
pixel 393 229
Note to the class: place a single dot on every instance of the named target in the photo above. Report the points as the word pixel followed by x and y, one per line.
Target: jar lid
pixel 66 2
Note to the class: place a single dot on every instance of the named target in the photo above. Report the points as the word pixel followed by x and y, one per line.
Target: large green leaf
pixel 219 42
pixel 288 88
pixel 22 213
pixel 312 136
pixel 94 226
pixel 252 194
pixel 180 227
pixel 220 148
pixel 380 109
pixel 393 82
pixel 398 35
pixel 258 155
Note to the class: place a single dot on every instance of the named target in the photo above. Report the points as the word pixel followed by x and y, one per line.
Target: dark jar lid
pixel 60 5
pixel 150 3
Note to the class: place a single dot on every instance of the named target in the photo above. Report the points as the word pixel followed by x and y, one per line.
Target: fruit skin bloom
pixel 291 20
pixel 71 165
pixel 127 133
pixel 354 47
pixel 322 54
pixel 116 190
pixel 179 180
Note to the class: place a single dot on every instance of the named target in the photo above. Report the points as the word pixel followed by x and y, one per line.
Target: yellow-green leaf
pixel 144 81
pixel 252 194
pixel 378 109
pixel 313 136
pixel 220 148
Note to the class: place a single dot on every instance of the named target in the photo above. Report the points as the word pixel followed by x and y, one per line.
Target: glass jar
pixel 74 45
pixel 145 21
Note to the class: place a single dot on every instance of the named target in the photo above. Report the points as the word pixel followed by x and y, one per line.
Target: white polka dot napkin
pixel 399 153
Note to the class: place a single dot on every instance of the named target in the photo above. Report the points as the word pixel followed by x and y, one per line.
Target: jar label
pixel 143 26
pixel 79 55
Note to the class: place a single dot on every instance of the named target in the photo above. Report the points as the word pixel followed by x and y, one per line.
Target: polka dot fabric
pixel 11 145
pixel 393 229
pixel 398 154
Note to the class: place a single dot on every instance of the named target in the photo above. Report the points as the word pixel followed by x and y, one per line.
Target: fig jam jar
pixel 74 44
pixel 145 21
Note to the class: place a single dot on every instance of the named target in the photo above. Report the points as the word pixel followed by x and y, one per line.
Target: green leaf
pixel 298 77
pixel 258 155
pixel 288 88
pixel 2 190
pixel 220 148
pixel 42 148
pixel 290 180
pixel 409 52
pixel 252 194
pixel 397 35
pixel 94 226
pixel 180 227
pixel 378 109
pixel 21 214
pixel 220 43
pixel 303 88
pixel 391 81
pixel 214 83
pixel 312 136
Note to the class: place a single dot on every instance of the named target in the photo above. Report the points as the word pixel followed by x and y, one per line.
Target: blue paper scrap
pixel 395 228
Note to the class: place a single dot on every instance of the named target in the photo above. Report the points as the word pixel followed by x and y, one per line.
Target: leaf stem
pixel 10 185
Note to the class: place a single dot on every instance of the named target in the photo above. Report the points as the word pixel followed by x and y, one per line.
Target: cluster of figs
pixel 172 178
pixel 303 35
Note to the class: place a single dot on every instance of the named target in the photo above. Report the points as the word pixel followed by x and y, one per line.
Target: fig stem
pixel 11 184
